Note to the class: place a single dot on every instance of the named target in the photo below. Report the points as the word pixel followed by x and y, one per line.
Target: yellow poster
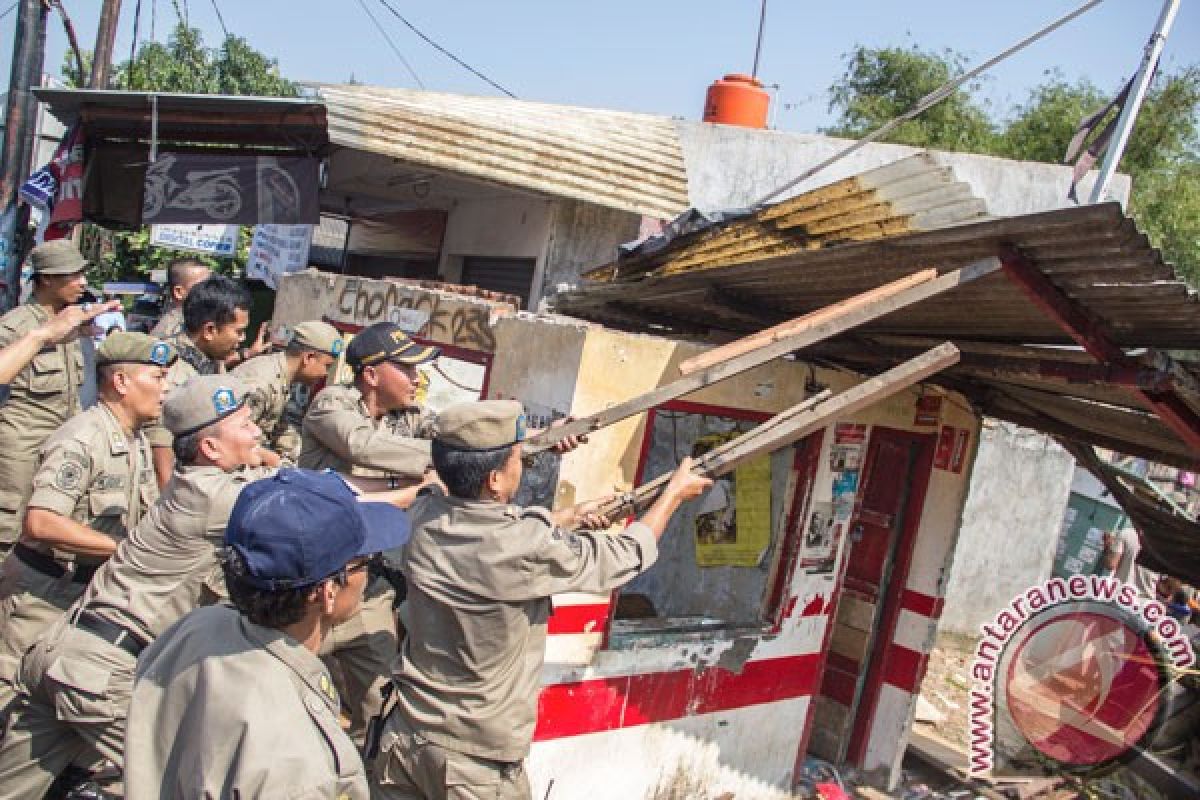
pixel 733 521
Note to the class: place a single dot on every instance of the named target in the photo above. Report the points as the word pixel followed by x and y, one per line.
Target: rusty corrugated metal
pixel 912 194
pixel 631 162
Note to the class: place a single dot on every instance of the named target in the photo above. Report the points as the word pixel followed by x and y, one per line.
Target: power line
pixel 220 19
pixel 391 44
pixel 444 51
pixel 10 9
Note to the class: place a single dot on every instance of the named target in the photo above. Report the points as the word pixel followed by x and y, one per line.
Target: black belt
pixel 50 567
pixel 114 634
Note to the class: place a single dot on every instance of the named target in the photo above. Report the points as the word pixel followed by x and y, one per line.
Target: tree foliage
pixel 881 84
pixel 1162 157
pixel 183 64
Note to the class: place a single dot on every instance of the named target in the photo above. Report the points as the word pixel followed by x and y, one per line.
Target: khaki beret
pixel 202 401
pixel 121 347
pixel 319 336
pixel 484 425
pixel 57 257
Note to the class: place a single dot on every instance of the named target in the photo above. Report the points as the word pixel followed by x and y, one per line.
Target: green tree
pixel 184 64
pixel 880 84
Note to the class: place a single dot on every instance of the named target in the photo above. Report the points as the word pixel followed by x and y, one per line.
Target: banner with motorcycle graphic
pixel 217 188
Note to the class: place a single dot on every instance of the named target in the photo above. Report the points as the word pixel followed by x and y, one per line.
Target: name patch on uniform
pixel 224 400
pixel 69 476
pixel 111 482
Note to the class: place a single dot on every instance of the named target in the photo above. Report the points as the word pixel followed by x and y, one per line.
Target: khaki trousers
pixel 30 602
pixel 71 705
pixel 410 767
pixel 359 653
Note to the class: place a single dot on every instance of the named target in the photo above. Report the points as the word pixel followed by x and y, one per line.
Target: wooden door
pixel 881 535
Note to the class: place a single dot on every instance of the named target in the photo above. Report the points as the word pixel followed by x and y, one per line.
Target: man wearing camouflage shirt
pixel 306 361
pixel 94 482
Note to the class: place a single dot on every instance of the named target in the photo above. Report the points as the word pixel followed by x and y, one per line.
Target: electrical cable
pixel 10 9
pixel 395 49
pixel 220 19
pixel 444 51
pixel 928 101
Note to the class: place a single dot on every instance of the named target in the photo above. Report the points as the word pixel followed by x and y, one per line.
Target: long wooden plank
pixel 799 325
pixel 794 424
pixel 739 364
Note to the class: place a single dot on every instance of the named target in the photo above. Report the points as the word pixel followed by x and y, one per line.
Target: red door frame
pixel 864 714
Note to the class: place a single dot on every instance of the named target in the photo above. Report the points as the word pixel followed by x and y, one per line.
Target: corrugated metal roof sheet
pixel 912 194
pixel 1094 254
pixel 631 162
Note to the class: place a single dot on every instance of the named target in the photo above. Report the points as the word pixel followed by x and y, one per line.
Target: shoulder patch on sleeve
pixel 69 476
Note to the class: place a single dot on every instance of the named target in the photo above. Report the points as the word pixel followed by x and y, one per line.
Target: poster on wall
pixel 733 518
pixel 821 536
pixel 845 490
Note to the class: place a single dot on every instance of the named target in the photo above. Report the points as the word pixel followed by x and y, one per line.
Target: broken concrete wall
pixel 584 235
pixel 1011 524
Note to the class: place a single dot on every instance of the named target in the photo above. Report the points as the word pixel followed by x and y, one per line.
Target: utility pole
pixel 19 123
pixel 1133 103
pixel 106 35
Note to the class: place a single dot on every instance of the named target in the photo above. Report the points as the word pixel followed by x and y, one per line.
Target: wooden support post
pixel 799 325
pixel 824 329
pixel 794 424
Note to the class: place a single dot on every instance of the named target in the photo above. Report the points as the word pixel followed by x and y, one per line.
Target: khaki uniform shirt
pixel 268 388
pixel 480 577
pixel 191 362
pixel 160 572
pixel 169 324
pixel 44 395
pixel 94 473
pixel 225 708
pixel 339 435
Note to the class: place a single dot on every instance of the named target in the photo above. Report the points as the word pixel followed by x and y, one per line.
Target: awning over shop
pixel 613 159
pixel 1070 337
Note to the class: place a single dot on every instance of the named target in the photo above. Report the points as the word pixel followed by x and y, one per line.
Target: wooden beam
pixel 862 308
pixel 741 363
pixel 794 424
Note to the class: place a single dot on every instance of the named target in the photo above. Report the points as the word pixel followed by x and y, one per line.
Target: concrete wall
pixel 730 167
pixel 584 236
pixel 513 226
pixel 1010 526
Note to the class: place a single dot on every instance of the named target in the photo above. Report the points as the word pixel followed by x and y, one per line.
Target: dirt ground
pixel 946 686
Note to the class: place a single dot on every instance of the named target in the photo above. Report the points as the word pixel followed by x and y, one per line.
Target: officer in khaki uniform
pixel 480 577
pixel 314 347
pixel 74 683
pixel 44 394
pixel 373 424
pixel 94 482
pixel 233 702
pixel 182 275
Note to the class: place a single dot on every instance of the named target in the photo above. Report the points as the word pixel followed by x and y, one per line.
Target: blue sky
pixel 655 56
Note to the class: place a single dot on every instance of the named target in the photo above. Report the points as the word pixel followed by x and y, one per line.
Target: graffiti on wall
pixel 448 320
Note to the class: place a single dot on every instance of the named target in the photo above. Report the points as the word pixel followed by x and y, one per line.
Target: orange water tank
pixel 737 100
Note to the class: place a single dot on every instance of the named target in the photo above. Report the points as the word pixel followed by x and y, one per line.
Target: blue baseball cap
pixel 299 527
